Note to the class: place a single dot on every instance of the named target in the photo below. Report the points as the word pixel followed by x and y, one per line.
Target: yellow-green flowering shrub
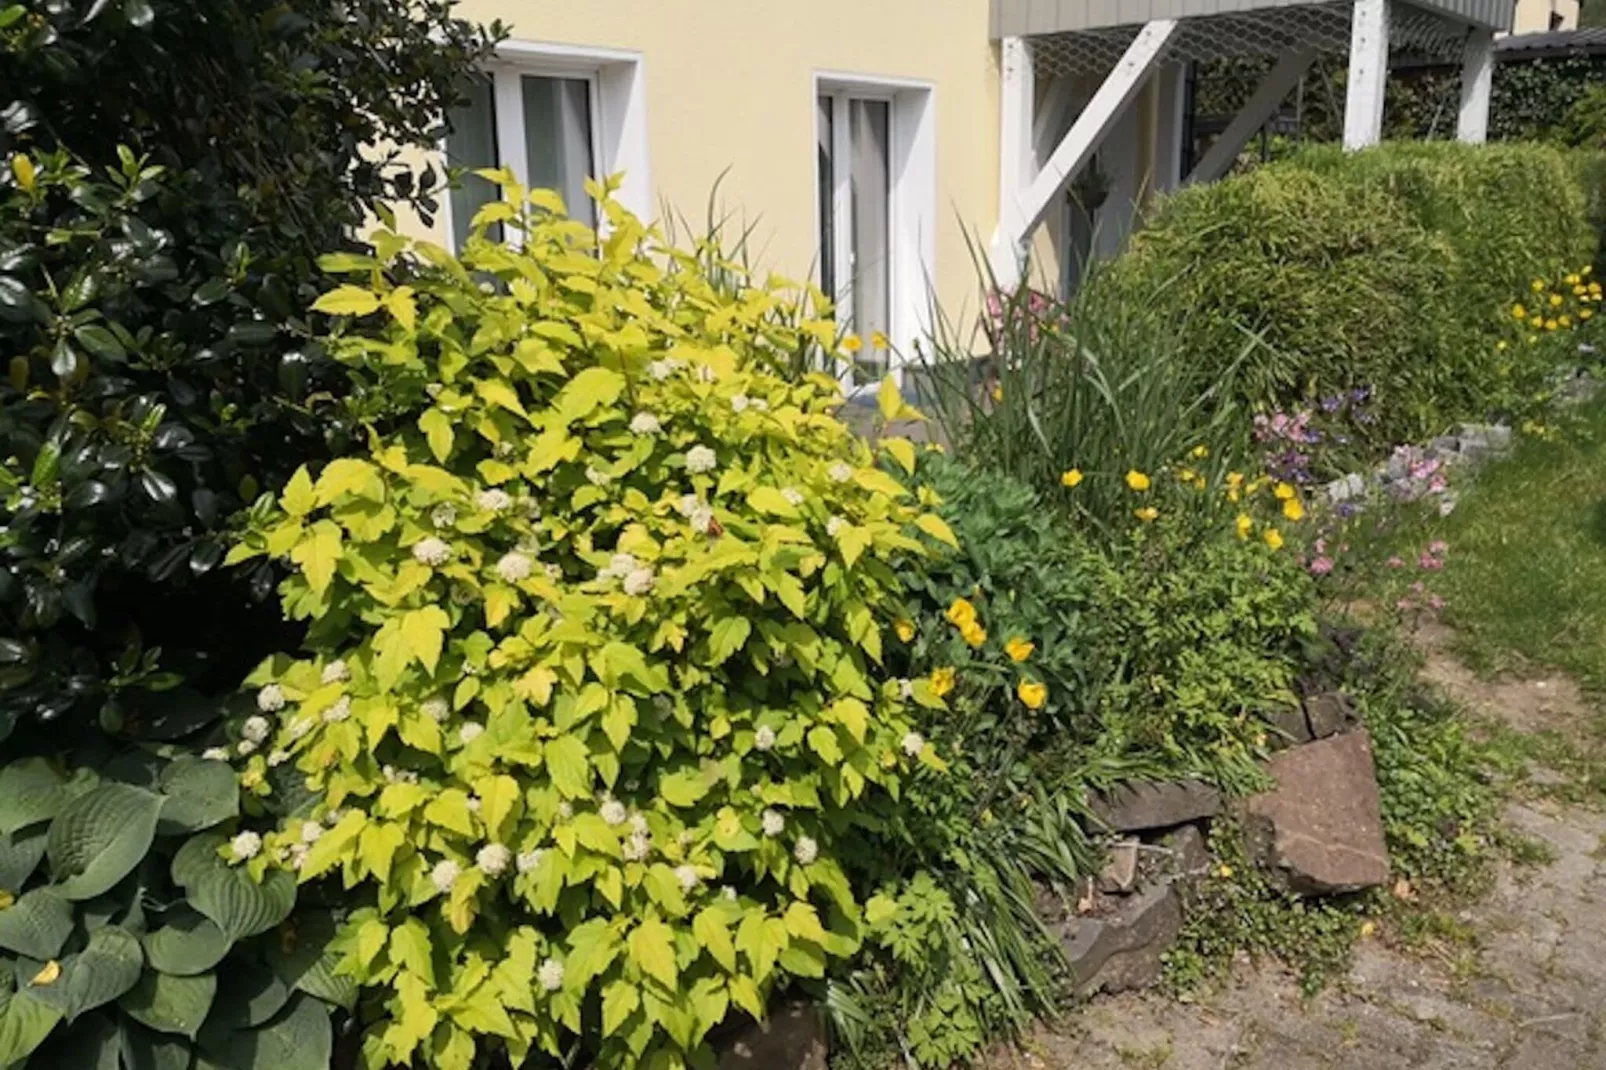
pixel 590 712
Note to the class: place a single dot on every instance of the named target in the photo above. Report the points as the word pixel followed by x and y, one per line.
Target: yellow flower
pixel 1519 312
pixel 1200 452
pixel 1019 648
pixel 23 169
pixel 1536 321
pixel 1032 694
pixel 852 344
pixel 998 392
pixel 889 760
pixel 1571 280
pixel 1555 300
pixel 1368 928
pixel 1284 491
pixel 1585 314
pixel 973 633
pixel 1500 345
pixel 1224 871
pixel 1274 538
pixel 1245 525
pixel 1137 481
pixel 1146 514
pixel 1539 286
pixel 1533 339
pixel 1071 477
pixel 1185 475
pixel 879 341
pixel 1550 325
pixel 1235 479
pixel 1565 321
pixel 251 779
pixel 942 681
pixel 1293 509
pixel 961 612
pixel 905 629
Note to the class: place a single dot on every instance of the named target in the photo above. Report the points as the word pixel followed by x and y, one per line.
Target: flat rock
pixel 1190 855
pixel 1320 830
pixel 1124 950
pixel 1328 714
pixel 1148 804
pixel 1120 871
pixel 1289 724
pixel 792 1038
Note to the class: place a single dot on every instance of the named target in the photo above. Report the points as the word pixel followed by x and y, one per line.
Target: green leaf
pixel 306 962
pixel 762 940
pixel 298 498
pixel 346 263
pixel 652 948
pixel 23 1027
pixel 619 1001
pixel 101 342
pixel 569 761
pixel 300 1038
pixel 771 501
pixel 889 399
pixel 248 995
pixel 424 631
pixel 822 739
pixel 501 394
pixel 108 966
pixel 588 391
pixel 20 853
pixel 155 1051
pixel 437 428
pixel 189 943
pixel 347 301
pixel 168 1003
pixel 37 924
pixel 30 791
pixel 99 837
pixel 239 905
pixel 318 554
pixel 333 845
pixel 94 1043
pixel 937 528
pixel 714 935
pixel 684 788
pixel 199 794
pixel 727 637
pixel 410 949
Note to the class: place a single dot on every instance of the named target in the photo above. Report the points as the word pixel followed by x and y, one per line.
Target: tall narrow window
pixel 855 162
pixel 553 121
pixel 471 145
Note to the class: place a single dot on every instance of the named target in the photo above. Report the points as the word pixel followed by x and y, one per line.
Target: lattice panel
pixel 1265 32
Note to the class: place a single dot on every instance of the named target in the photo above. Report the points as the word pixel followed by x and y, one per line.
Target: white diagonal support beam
pixel 1477 80
pixel 1267 98
pixel 1017 161
pixel 1368 74
pixel 1023 205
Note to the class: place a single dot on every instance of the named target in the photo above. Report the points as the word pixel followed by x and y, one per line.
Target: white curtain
pixel 471 143
pixel 557 140
pixel 869 125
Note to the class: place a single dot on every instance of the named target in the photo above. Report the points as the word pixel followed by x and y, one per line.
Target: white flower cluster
pixel 764 738
pixel 443 516
pixel 300 727
pixel 495 500
pixel 245 846
pixel 834 525
pixel 697 511
pixel 645 423
pixel 688 877
pixel 339 711
pixel 840 472
pixel 528 860
pixel 549 975
pixel 470 731
pixel 637 847
pixel 597 477
pixel 515 567
pixel 774 822
pixel 613 812
pixel 492 859
pixel 739 402
pixel 805 850
pixel 663 369
pixel 792 495
pixel 336 672
pixel 635 577
pixel 432 552
pixel 271 699
pixel 700 459
pixel 436 708
pixel 256 729
pixel 913 744
pixel 444 875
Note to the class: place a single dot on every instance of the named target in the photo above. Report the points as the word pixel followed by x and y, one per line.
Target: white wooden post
pixel 1368 74
pixel 1016 159
pixel 1267 98
pixel 1082 141
pixel 1477 77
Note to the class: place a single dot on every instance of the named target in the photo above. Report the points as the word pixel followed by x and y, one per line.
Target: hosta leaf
pixel 303 959
pixel 155 1051
pixel 168 1003
pixel 199 794
pixel 299 1038
pixel 30 791
pixel 108 966
pixel 93 1043
pixel 249 995
pixel 20 852
pixel 99 837
pixel 189 943
pixel 23 1027
pixel 239 905
pixel 37 924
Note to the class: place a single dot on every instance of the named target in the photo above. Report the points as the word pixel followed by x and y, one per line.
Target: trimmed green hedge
pixel 1391 269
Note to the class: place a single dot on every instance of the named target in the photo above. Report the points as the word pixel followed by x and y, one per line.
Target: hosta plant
pixel 126 928
pixel 589 712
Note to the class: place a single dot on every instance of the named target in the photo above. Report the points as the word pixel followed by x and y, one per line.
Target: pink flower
pixel 1404 603
pixel 1438 546
pixel 1321 566
pixel 1428 561
pixel 1436 602
pixel 1321 546
pixel 1396 562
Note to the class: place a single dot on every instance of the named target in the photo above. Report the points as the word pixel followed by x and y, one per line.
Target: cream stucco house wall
pixel 883 147
pixel 1542 16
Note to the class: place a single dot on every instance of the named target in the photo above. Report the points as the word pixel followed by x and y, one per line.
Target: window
pixel 875 162
pixel 555 116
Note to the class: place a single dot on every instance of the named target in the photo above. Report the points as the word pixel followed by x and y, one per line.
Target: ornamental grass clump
pixel 589 716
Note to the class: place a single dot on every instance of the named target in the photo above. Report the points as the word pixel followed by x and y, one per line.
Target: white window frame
pixel 912 211
pixel 617 83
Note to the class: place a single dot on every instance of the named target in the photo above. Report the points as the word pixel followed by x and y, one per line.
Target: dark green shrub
pixel 1388 269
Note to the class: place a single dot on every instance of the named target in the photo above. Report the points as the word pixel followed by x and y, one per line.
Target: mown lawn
pixel 1525 576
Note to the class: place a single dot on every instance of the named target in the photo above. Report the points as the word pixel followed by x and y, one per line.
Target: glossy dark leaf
pixel 211 292
pixel 157 487
pixel 63 359
pixel 101 342
pixel 138 12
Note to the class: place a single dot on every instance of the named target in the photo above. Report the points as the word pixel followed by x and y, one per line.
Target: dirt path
pixel 1525 991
